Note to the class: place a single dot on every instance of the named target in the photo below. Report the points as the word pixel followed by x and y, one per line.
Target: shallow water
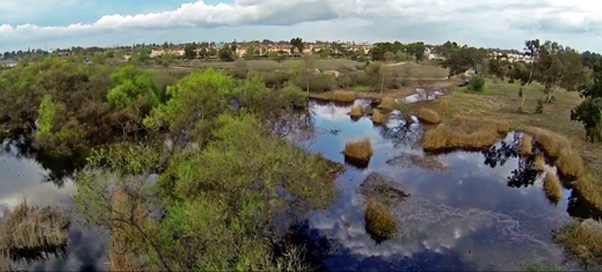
pixel 465 210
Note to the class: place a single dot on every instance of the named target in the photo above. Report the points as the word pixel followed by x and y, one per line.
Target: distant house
pixel 8 63
pixel 157 53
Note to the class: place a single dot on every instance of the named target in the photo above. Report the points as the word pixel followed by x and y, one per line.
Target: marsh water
pixel 466 210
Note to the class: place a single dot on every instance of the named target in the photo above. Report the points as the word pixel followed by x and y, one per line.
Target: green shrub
pixel 477 84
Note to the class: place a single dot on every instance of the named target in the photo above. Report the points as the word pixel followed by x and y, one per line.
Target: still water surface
pixel 467 210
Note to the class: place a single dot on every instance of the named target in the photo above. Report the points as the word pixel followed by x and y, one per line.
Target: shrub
pixel 526 147
pixel 428 116
pixel 569 163
pixel 552 187
pixel 539 107
pixel 380 221
pixel 583 240
pixel 476 83
pixel 378 118
pixel 343 96
pixel 275 79
pixel 360 150
pixel 388 104
pixel 357 111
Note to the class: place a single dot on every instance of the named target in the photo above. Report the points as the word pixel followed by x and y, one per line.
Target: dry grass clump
pixel 378 117
pixel 526 147
pixel 540 163
pixel 388 104
pixel 380 221
pixel 446 136
pixel 428 116
pixel 584 241
pixel 552 187
pixel 32 227
pixel 359 150
pixel 551 142
pixel 589 187
pixel 343 96
pixel 569 163
pixel 357 111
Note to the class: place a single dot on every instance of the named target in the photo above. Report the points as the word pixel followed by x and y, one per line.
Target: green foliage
pixel 240 68
pixel 194 102
pixel 295 95
pixel 297 43
pixel 135 90
pixel 476 83
pixel 589 112
pixel 226 54
pixel 539 107
pixel 189 52
pixel 47 114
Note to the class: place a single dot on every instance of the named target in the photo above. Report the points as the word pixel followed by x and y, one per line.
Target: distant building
pixel 8 63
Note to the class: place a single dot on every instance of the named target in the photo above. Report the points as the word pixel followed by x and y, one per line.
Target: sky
pixel 49 24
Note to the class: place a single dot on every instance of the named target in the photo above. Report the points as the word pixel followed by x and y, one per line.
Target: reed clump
pixel 550 142
pixel 540 163
pixel 428 116
pixel 359 150
pixel 584 241
pixel 552 187
pixel 357 111
pixel 589 186
pixel 388 104
pixel 33 227
pixel 378 117
pixel 501 126
pixel 343 96
pixel 380 221
pixel 569 163
pixel 526 147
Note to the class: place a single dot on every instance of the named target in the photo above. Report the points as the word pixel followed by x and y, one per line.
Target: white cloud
pixel 484 22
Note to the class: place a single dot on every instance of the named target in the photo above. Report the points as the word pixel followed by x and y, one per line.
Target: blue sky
pixel 490 23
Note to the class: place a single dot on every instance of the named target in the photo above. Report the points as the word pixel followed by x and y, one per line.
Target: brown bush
pixel 552 187
pixel 388 104
pixel 380 221
pixel 569 163
pixel 428 116
pixel 526 147
pixel 589 187
pixel 357 111
pixel 584 241
pixel 378 118
pixel 360 150
pixel 343 96
pixel 540 163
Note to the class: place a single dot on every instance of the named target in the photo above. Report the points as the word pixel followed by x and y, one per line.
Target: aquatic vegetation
pixel 357 111
pixel 549 141
pixel 379 118
pixel 584 241
pixel 526 147
pixel 33 228
pixel 360 149
pixel 552 187
pixel 343 96
pixel 589 187
pixel 569 163
pixel 428 116
pixel 540 163
pixel 445 136
pixel 380 221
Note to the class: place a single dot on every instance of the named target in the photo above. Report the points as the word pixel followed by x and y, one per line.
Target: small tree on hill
pixel 589 112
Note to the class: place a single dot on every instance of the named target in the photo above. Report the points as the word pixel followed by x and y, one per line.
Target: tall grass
pixel 569 163
pixel 33 227
pixel 552 187
pixel 360 150
pixel 584 241
pixel 526 147
pixel 380 221
pixel 428 116
pixel 343 96
pixel 357 111
pixel 589 187
pixel 540 163
pixel 378 118
pixel 465 133
pixel 388 104
pixel 550 142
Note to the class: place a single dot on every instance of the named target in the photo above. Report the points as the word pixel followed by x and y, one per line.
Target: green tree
pixel 389 56
pixel 225 54
pixel 379 74
pixel 297 43
pixel 251 52
pixel 47 115
pixel 589 112
pixel 189 52
pixel 521 72
pixel 307 71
